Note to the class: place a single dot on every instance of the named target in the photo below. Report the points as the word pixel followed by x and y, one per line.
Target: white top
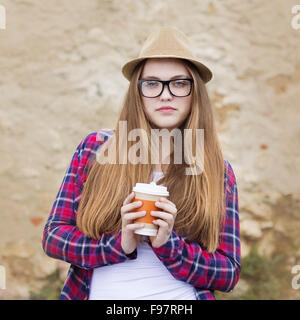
pixel 144 278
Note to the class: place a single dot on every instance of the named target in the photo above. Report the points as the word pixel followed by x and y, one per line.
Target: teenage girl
pixel 91 225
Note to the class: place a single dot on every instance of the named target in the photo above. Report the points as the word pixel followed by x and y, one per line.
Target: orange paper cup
pixel 148 194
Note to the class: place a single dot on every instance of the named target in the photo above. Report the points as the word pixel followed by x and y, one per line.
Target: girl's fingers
pixel 129 198
pixel 167 207
pixel 161 223
pixel 167 201
pixel 163 215
pixel 131 206
pixel 133 215
pixel 134 226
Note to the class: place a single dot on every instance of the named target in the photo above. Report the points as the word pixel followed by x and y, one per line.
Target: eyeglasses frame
pixel 164 82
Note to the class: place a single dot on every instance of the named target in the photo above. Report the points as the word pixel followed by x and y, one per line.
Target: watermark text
pixel 2 278
pixel 296 279
pixel 187 147
pixel 295 23
pixel 2 17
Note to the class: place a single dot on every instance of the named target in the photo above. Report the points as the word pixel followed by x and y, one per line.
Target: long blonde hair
pixel 199 198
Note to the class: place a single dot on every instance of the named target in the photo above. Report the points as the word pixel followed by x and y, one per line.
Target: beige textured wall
pixel 60 79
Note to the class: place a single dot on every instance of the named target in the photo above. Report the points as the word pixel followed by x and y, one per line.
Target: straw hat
pixel 167 42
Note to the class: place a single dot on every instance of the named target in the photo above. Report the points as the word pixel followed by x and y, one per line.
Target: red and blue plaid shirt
pixel 188 262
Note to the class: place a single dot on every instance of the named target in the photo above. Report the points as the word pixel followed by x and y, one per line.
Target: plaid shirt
pixel 188 262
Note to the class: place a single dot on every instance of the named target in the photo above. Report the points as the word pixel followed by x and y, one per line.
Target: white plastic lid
pixel 151 188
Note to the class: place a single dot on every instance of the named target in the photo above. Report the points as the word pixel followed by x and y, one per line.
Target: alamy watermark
pixel 295 22
pixel 296 279
pixel 2 17
pixel 195 163
pixel 2 278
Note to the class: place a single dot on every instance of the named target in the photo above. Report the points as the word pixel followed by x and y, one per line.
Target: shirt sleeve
pixel 190 262
pixel 61 237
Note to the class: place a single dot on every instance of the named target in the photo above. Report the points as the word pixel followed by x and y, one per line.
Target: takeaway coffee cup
pixel 148 193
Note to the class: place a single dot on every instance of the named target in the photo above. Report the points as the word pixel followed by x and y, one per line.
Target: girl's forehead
pixel 165 66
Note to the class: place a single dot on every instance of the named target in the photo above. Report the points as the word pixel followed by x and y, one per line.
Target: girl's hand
pixel 165 222
pixel 129 239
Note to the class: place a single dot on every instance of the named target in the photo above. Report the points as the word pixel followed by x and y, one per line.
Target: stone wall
pixel 60 79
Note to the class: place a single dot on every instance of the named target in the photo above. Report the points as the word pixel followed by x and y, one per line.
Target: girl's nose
pixel 166 93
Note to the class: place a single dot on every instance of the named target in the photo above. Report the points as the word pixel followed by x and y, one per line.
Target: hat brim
pixel 129 67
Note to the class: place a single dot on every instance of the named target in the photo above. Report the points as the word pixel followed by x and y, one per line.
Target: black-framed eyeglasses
pixel 152 88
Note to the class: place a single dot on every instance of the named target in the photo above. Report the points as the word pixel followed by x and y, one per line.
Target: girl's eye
pixel 180 83
pixel 151 83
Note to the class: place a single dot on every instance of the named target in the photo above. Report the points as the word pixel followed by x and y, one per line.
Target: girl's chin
pixel 164 125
